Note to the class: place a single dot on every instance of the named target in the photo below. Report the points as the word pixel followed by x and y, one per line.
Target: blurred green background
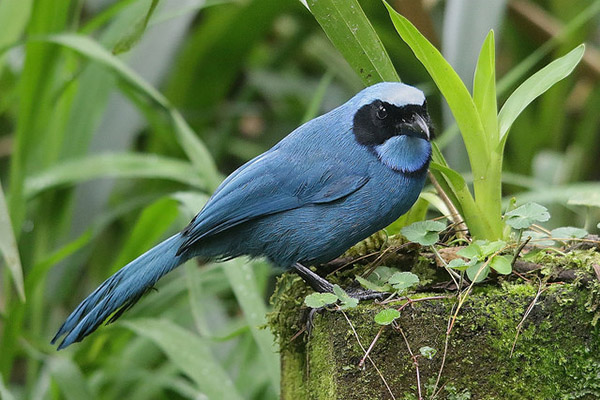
pixel 119 118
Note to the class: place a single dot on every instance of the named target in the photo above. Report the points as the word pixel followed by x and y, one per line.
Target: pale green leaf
pixel 477 272
pixel 345 299
pixel 426 233
pixel 524 216
pixel 501 264
pixel 484 88
pixel 536 85
pixel 403 280
pixel 427 352
pixel 318 300
pixel 568 232
pixel 387 316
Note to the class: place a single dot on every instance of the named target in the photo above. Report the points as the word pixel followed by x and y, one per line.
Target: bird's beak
pixel 418 127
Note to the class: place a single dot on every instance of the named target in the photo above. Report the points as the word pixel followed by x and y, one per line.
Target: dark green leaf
pixel 352 34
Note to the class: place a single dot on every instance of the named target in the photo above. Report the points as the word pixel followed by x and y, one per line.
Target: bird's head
pixel 391 119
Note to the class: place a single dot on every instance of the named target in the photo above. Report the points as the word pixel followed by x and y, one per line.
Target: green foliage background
pixel 119 118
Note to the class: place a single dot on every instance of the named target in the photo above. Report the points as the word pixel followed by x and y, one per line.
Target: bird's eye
pixel 381 112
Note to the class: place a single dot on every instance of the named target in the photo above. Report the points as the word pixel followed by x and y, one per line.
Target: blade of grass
pixel 123 165
pixel 4 393
pixel 9 249
pixel 193 147
pixel 69 379
pixel 190 354
pixel 150 226
pixel 349 29
pixel 241 277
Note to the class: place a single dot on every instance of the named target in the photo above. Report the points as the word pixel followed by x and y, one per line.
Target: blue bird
pixel 329 184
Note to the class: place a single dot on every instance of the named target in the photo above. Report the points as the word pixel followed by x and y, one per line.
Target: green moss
pixel 556 355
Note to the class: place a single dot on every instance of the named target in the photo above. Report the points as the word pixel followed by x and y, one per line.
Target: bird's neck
pixel 405 154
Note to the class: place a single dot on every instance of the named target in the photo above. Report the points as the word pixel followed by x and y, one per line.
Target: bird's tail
pixel 121 291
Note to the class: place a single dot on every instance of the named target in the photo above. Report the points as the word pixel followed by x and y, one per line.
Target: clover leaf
pixel 318 300
pixel 426 233
pixel 526 215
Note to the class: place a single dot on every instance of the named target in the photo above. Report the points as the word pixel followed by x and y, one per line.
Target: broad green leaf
pixel 345 299
pixel 427 352
pixel 538 238
pixel 318 300
pixel 474 273
pixel 352 34
pixel 426 233
pixel 240 274
pixel 524 216
pixel 387 316
pixel 135 32
pixel 501 264
pixel 8 247
pixel 568 232
pixel 190 353
pixel 403 280
pixel 484 88
pixel 452 87
pixel 536 85
pixel 121 165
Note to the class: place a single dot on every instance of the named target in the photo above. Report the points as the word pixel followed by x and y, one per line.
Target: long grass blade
pixel 195 359
pixel 8 247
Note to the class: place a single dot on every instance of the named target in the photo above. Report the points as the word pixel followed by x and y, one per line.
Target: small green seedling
pixel 428 352
pixel 478 254
pixel 345 299
pixel 318 300
pixel 402 281
pixel 385 279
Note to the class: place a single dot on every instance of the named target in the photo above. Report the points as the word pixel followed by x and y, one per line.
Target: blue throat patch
pixel 404 153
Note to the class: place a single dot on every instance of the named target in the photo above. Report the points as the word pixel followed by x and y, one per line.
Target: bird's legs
pixel 322 285
pixel 318 284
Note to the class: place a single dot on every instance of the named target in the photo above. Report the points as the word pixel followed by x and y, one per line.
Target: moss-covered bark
pixel 556 355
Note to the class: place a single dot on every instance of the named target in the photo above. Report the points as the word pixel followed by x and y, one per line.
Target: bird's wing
pixel 273 183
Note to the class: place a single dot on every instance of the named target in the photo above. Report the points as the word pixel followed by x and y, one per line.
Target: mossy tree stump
pixel 556 354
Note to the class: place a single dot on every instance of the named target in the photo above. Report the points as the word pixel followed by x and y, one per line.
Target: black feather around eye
pixel 376 122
